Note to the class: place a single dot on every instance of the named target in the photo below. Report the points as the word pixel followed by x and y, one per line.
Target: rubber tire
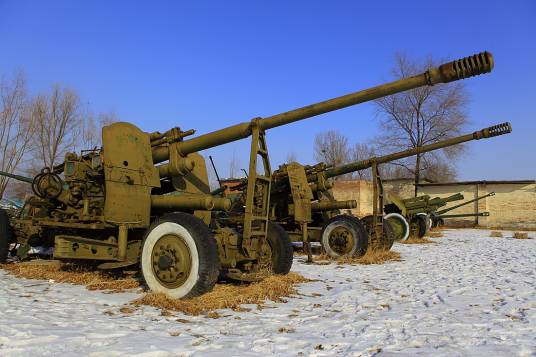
pixel 422 225
pixel 205 269
pixel 440 222
pixel 282 250
pixel 350 222
pixel 387 240
pixel 400 218
pixel 428 221
pixel 6 235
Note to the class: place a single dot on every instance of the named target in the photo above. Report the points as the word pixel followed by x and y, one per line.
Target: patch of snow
pixel 466 295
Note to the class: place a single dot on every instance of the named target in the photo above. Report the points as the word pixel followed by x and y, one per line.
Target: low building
pixel 513 206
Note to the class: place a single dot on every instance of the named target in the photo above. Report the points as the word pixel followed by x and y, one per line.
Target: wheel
pixel 47 184
pixel 6 235
pixel 386 241
pixel 399 225
pixel 344 235
pixel 279 252
pixel 418 226
pixel 440 222
pixel 179 256
pixel 428 221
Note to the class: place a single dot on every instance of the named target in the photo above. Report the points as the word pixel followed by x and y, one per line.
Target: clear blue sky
pixel 210 64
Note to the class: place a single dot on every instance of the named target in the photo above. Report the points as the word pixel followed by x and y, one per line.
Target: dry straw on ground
pixel 93 280
pixel 274 288
pixel 229 296
pixel 496 234
pixel 422 240
pixel 370 257
pixel 521 235
pixel 434 234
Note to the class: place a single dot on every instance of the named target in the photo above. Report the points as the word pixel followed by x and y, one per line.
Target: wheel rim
pixel 399 226
pixel 398 229
pixel 171 261
pixel 341 240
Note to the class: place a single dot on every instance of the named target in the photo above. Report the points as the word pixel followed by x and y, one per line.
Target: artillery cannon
pixel 438 217
pixel 411 216
pixel 300 201
pixel 144 198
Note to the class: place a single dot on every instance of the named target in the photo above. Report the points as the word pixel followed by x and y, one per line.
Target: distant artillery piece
pixel 417 215
pixel 410 216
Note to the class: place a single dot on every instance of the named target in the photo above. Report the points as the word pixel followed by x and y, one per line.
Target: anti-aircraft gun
pixel 437 218
pixel 302 203
pixel 144 198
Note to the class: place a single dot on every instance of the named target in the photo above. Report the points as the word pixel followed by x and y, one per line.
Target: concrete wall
pixel 513 206
pixel 359 190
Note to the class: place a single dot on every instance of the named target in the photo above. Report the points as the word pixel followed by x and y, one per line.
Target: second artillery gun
pixel 301 202
pixel 143 199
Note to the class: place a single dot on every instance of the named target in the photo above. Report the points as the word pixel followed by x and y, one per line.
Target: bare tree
pixel 291 157
pixel 106 119
pixel 90 129
pixel 57 120
pixel 437 169
pixel 16 126
pixel 422 116
pixel 89 134
pixel 362 151
pixel 331 147
pixel 234 166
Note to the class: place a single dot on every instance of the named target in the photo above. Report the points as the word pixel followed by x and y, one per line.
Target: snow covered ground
pixel 468 295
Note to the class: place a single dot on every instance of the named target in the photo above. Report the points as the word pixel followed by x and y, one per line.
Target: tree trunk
pixel 417 173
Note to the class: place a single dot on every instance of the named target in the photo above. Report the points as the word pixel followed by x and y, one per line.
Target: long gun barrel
pixel 17 177
pixel 426 203
pixel 490 132
pixel 438 201
pixel 448 72
pixel 462 215
pixel 463 204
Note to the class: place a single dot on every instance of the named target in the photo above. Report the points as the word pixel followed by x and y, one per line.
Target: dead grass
pixel 496 234
pixel 434 234
pixel 228 296
pixel 521 235
pixel 422 240
pixel 370 257
pixel 93 280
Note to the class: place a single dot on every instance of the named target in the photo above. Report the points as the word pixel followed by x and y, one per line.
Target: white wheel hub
pixel 167 229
